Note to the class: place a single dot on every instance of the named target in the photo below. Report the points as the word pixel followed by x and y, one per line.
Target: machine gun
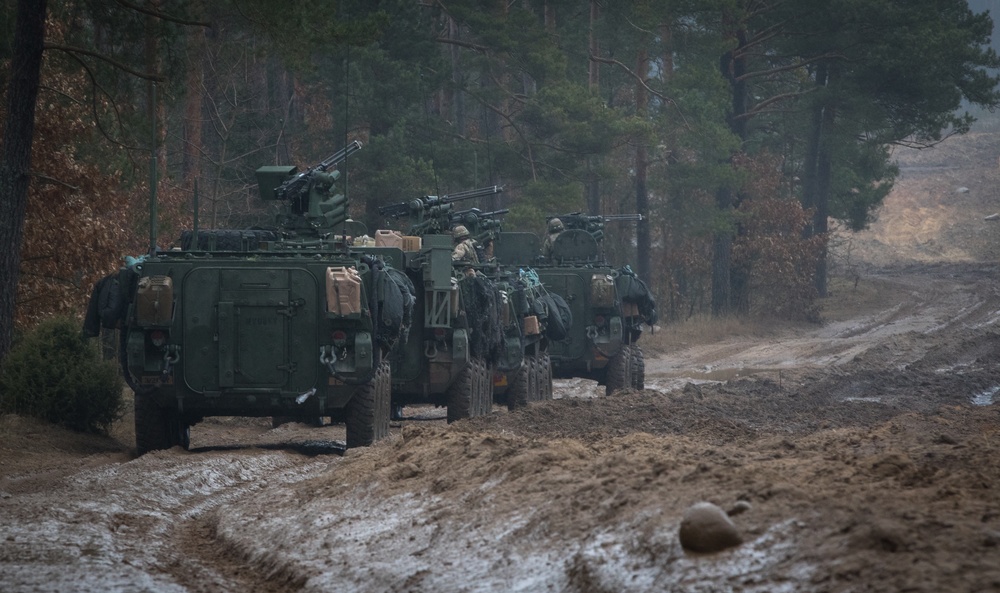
pixel 433 214
pixel 308 202
pixel 476 220
pixel 592 224
pixel 483 227
pixel 298 186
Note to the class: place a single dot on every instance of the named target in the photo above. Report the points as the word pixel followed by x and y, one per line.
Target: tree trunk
pixel 15 157
pixel 643 243
pixel 824 173
pixel 722 247
pixel 194 93
pixel 593 74
pixel 817 173
pixel 736 287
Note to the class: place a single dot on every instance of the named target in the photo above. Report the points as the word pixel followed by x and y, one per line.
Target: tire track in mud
pixel 935 300
pixel 197 559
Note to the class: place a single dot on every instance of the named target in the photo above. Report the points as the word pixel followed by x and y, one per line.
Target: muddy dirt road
pixel 868 449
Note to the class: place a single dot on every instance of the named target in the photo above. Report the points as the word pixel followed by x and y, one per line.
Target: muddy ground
pixel 865 451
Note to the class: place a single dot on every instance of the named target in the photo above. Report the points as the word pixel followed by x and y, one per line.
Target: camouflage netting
pixel 559 319
pixel 633 290
pixel 106 307
pixel 393 293
pixel 404 307
pixel 483 309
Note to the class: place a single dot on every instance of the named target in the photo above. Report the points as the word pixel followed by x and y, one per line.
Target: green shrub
pixel 53 373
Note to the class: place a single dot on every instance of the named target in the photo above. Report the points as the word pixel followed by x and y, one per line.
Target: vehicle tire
pixel 369 409
pixel 157 428
pixel 465 395
pixel 545 376
pixel 618 371
pixel 638 368
pixel 485 405
pixel 517 393
pixel 533 376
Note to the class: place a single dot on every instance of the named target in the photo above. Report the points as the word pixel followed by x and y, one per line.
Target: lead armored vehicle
pixel 289 322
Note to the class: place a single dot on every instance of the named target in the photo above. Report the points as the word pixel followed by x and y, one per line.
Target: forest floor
pixel 864 452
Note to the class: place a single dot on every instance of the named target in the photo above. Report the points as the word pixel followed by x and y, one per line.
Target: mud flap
pixel 460 347
pixel 363 353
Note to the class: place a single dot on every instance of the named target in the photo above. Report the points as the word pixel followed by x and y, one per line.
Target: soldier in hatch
pixel 465 249
pixel 555 228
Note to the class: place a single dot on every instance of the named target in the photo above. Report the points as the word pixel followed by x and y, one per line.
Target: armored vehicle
pixel 608 305
pixel 467 330
pixel 288 322
pixel 531 317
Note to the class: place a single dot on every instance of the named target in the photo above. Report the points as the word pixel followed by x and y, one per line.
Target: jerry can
pixel 343 291
pixel 602 290
pixel 384 238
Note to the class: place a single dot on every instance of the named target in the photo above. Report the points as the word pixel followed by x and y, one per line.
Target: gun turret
pixel 298 186
pixel 593 224
pixel 433 214
pixel 309 201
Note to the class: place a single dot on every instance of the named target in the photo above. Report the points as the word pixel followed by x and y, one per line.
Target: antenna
pixel 152 170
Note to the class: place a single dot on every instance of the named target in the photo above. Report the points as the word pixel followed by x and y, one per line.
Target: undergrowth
pixel 54 374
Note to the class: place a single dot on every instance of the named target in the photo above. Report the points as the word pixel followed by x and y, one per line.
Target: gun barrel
pixel 472 193
pixel 340 155
pixel 622 217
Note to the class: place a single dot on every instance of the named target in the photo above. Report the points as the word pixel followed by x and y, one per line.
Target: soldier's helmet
pixel 460 232
pixel 556 226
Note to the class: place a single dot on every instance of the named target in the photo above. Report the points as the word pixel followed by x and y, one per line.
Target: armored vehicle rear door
pixel 250 329
pixel 574 289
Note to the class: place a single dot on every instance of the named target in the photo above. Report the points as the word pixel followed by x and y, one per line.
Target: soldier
pixel 555 228
pixel 465 249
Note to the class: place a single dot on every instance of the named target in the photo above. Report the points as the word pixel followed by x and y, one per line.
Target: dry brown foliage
pixel 76 227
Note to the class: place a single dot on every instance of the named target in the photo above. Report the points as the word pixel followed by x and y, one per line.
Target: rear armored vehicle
pixel 288 323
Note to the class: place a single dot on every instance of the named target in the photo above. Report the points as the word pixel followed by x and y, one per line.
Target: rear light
pixel 599 320
pixel 158 338
pixel 440 333
pixel 339 337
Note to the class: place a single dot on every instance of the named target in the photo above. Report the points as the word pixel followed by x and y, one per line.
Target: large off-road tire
pixel 472 392
pixel 638 369
pixel 368 411
pixel 157 428
pixel 545 376
pixel 517 393
pixel 533 379
pixel 484 405
pixel 619 371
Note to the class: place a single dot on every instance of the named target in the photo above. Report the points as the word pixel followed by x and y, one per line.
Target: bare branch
pixel 762 106
pixel 788 67
pixel 54 181
pixel 162 16
pixel 79 50
pixel 465 44
pixel 637 78
pixel 97 119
